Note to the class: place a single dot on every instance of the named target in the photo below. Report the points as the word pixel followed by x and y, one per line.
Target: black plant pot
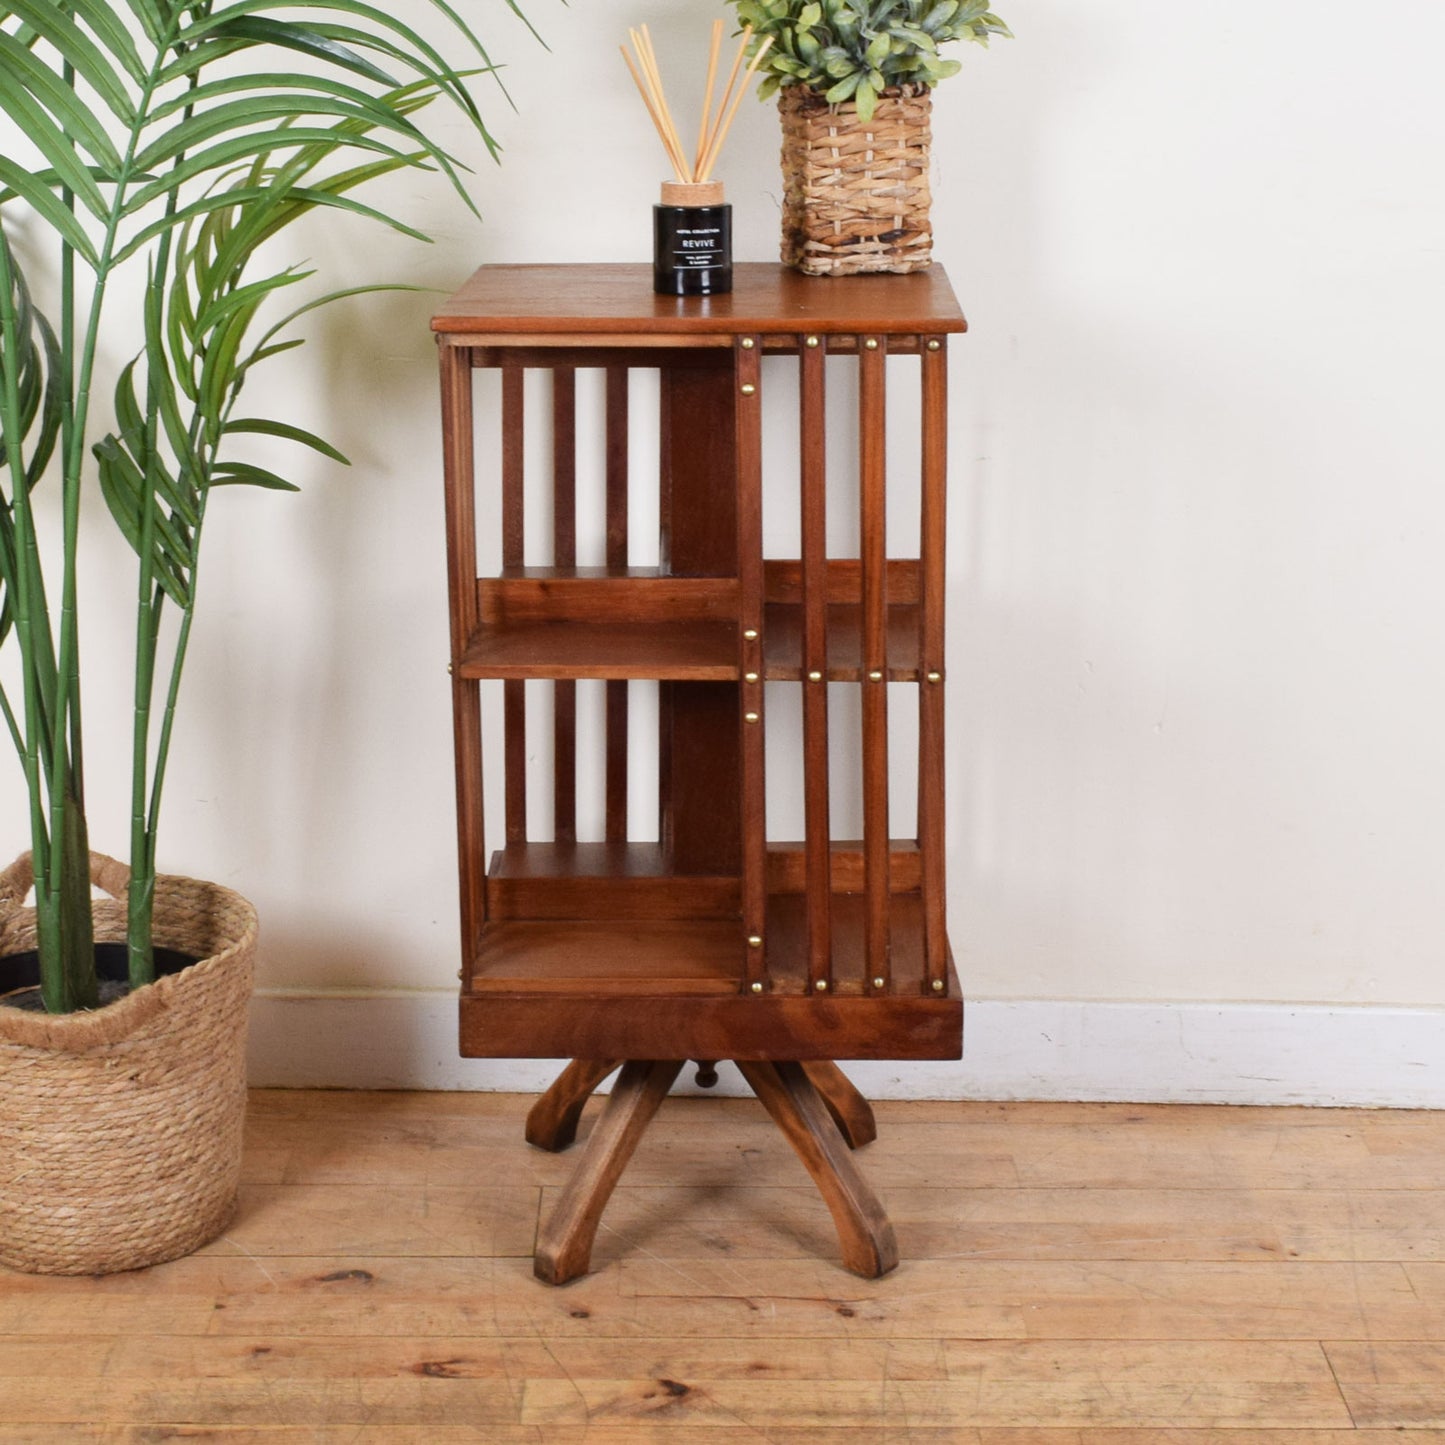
pixel 20 973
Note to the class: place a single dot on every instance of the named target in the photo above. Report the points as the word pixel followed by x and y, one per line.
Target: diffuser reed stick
pixel 715 124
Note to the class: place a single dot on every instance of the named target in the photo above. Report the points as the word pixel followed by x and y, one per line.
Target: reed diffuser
pixel 692 244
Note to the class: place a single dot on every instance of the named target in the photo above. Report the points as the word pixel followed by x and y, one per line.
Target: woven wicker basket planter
pixel 855 196
pixel 120 1130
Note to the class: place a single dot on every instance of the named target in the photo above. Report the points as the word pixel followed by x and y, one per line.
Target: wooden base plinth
pixel 819 1111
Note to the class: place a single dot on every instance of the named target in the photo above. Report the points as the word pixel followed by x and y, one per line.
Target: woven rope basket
pixel 855 196
pixel 120 1130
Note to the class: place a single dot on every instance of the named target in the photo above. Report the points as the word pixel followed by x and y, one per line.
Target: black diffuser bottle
pixel 692 240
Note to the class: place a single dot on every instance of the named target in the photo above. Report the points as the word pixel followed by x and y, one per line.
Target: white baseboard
pixel 1013 1049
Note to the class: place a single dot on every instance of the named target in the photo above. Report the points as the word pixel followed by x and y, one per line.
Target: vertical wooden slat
pixel 460 479
pixel 749 464
pixel 871 485
pixel 514 699
pixel 814 490
pixel 930 653
pixel 564 555
pixel 616 464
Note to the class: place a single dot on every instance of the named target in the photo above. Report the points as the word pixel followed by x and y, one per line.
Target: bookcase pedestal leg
pixel 851 1112
pixel 864 1230
pixel 819 1111
pixel 564 1245
pixel 552 1120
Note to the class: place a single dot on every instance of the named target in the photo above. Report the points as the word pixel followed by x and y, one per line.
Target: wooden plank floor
pixel 1072 1275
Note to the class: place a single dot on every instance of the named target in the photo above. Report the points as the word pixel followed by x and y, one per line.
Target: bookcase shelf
pixel 715 941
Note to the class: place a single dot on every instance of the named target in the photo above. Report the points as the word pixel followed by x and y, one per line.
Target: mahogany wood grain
pixel 514 698
pixel 633 353
pixel 616 433
pixel 602 898
pixel 752 718
pixel 564 556
pixel 564 1243
pixel 865 1234
pixel 813 659
pixel 683 649
pixel 783 580
pixel 593 957
pixel 459 472
pixel 700 742
pixel 696 651
pixel 564 760
pixel 609 862
pixel 586 595
pixel 789 862
pixel 785 659
pixel 564 467
pixel 634 880
pixel 851 1112
pixel 539 1025
pixel 509 1010
pixel 618 300
pixel 872 482
pixel 459 476
pixel 552 1121
pixel 514 727
pixel 513 437
pixel 933 525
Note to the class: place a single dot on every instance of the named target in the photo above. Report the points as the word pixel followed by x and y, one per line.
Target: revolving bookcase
pixel 712 940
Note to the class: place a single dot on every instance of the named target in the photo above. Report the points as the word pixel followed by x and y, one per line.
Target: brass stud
pixel 746 343
pixel 815 676
pixel 935 344
pixel 750 717
pixel 755 940
pixel 871 344
pixel 875 677
pixel 756 987
pixel 750 677
pixel 821 985
pixel 935 677
pixel 747 388
pixel 811 341
pixel 877 983
pixel 938 985
pixel 449 669
pixel 751 635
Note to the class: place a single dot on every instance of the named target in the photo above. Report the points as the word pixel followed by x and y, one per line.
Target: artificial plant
pixel 163 144
pixel 853 50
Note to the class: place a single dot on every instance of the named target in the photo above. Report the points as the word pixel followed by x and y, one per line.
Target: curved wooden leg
pixel 851 1112
pixel 552 1120
pixel 564 1245
pixel 864 1230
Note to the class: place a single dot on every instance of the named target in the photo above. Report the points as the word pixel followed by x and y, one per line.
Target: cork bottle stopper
pixel 692 193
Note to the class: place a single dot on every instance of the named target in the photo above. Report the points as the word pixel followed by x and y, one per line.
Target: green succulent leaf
pixel 859 51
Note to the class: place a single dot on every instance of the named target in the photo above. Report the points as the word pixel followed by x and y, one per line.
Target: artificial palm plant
pixel 163 144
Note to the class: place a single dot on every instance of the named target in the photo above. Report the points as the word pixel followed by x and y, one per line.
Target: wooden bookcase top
pixel 618 300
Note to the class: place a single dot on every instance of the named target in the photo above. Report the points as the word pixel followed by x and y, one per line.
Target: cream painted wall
pixel 1197 635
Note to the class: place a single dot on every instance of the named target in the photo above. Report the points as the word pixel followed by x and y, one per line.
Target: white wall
pixel 1197 635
